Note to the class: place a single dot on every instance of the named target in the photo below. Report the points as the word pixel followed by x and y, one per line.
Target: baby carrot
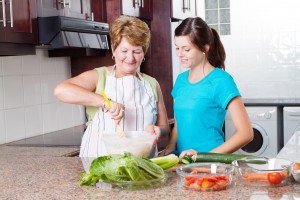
pixel 256 176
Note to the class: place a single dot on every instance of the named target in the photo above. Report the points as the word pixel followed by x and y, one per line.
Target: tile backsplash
pixel 27 104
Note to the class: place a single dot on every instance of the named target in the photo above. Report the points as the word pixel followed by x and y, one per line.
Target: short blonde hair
pixel 133 29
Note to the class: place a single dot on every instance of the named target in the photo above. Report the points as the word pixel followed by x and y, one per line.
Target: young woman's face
pixel 189 55
pixel 128 57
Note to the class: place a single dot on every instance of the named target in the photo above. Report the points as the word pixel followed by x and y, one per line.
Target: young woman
pixel 203 94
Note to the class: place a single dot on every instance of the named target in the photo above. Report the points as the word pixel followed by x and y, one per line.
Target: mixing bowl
pixel 139 143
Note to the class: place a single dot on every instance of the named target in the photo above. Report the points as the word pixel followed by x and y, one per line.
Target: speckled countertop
pixel 29 173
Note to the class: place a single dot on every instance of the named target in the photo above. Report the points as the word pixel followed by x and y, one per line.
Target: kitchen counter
pixel 272 102
pixel 46 173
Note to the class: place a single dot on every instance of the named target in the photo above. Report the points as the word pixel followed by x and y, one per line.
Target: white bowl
pixel 139 143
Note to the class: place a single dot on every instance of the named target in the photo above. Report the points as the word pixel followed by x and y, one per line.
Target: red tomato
pixel 274 178
pixel 190 181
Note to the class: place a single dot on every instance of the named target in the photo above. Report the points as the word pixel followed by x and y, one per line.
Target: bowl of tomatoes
pixel 206 176
pixel 269 172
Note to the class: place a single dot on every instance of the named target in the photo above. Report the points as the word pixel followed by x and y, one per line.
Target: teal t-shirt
pixel 200 109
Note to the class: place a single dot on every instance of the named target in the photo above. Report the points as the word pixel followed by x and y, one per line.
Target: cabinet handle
pixel 189 5
pixel 183 6
pixel 3 13
pixel 64 3
pixel 11 14
pixel 91 17
pixel 142 3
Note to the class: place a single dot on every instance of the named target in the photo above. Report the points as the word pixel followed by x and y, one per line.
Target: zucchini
pixel 218 157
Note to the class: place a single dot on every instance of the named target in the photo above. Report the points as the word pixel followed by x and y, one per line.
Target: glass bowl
pixel 206 176
pixel 269 172
pixel 296 172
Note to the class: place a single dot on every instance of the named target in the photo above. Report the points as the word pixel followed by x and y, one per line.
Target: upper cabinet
pixel 68 8
pixel 137 8
pixel 181 9
pixel 18 21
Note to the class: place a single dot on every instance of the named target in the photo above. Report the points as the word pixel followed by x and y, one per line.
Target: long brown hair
pixel 201 34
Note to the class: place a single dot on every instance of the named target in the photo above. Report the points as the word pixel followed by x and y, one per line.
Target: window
pixel 217 15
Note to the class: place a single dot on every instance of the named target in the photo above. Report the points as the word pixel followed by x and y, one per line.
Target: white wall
pixel 263 50
pixel 27 104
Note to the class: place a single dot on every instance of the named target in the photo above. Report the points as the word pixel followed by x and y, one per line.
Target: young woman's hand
pixel 189 152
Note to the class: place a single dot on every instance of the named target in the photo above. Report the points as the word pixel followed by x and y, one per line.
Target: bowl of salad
pixel 208 176
pixel 268 172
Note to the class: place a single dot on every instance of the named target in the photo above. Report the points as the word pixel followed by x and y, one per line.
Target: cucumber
pixel 186 160
pixel 218 157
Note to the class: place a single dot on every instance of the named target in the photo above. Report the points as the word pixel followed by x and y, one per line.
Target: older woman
pixel 136 98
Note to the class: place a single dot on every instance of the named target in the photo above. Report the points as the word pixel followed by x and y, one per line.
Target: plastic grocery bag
pixel 291 151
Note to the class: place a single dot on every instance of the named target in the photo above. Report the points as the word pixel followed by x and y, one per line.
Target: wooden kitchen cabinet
pixel 137 8
pixel 68 8
pixel 182 9
pixel 18 21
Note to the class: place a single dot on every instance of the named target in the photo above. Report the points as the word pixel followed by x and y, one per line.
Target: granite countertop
pixel 46 173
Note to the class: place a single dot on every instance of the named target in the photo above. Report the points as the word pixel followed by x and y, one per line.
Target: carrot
pixel 256 176
pixel 284 174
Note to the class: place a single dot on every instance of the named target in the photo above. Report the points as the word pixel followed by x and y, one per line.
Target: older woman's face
pixel 128 57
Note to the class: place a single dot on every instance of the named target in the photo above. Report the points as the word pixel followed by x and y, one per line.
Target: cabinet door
pixel 137 8
pixel 74 8
pixel 47 8
pixel 182 9
pixel 21 24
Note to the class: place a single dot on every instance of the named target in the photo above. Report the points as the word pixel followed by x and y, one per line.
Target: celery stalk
pixel 166 162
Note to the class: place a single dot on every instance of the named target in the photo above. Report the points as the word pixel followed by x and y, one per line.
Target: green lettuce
pixel 125 167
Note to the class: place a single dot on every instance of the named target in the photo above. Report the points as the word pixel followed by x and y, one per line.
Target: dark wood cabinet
pixel 18 21
pixel 137 8
pixel 68 8
pixel 182 9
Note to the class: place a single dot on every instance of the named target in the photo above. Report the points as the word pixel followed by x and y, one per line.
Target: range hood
pixel 66 32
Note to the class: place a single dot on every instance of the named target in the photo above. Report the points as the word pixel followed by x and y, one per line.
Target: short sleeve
pixel 225 90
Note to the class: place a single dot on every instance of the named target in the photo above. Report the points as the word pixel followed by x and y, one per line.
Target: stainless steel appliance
pixel 265 128
pixel 62 32
pixel 291 122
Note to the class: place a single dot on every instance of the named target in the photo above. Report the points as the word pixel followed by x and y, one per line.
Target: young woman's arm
pixel 242 124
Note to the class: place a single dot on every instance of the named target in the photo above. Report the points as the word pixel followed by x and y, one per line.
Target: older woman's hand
pixel 153 130
pixel 117 111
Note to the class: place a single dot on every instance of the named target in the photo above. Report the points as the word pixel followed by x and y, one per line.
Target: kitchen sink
pixel 72 154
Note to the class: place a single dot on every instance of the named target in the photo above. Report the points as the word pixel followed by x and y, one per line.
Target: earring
pixel 144 59
pixel 112 57
pixel 203 53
